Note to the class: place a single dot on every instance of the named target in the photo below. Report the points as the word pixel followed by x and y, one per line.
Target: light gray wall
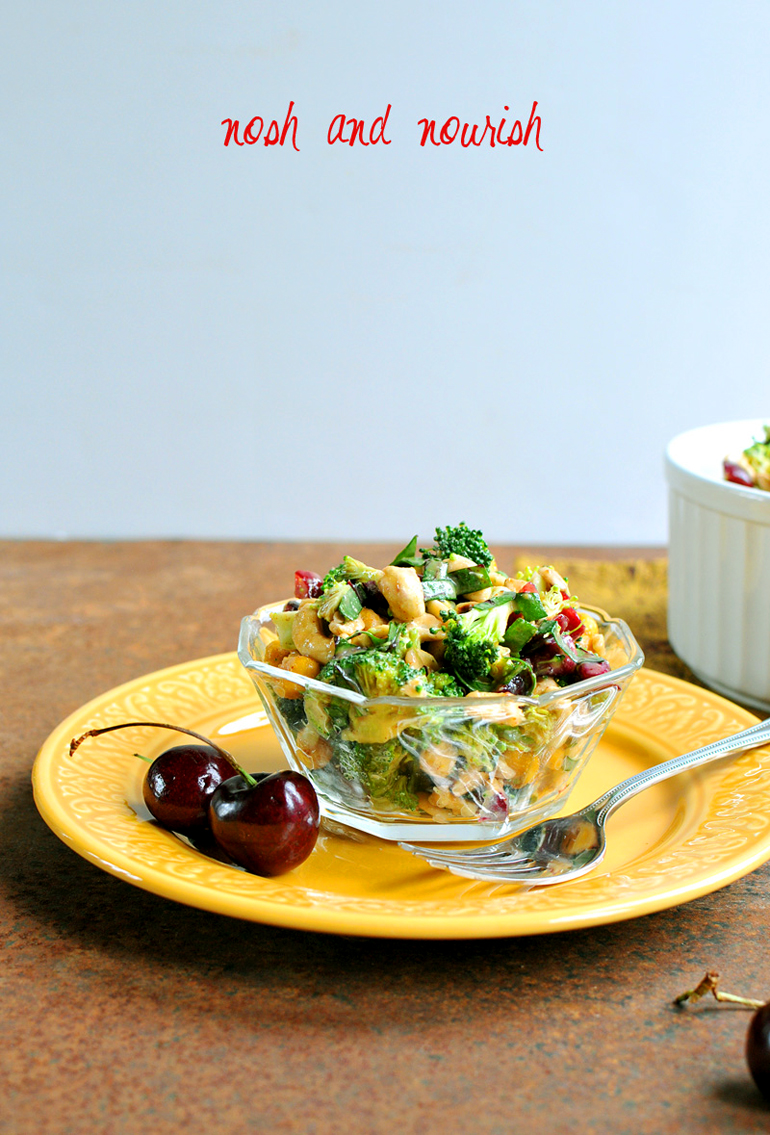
pixel 250 342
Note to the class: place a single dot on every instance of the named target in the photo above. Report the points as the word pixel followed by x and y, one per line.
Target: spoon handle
pixel 747 739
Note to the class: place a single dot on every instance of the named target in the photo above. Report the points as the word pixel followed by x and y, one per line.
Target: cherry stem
pixel 77 741
pixel 710 984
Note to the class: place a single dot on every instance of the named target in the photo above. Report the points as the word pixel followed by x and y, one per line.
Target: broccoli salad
pixel 438 622
pixel 752 468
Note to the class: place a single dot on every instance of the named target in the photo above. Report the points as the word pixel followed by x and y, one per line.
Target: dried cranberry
pixel 496 806
pixel 592 668
pixel 539 650
pixel 569 620
pixel 370 596
pixel 307 585
pixel 558 667
pixel 738 475
pixel 518 684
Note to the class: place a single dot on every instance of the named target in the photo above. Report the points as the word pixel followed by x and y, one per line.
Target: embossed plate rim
pixel 728 844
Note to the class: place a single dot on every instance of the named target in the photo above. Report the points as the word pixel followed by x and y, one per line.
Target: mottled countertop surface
pixel 125 1012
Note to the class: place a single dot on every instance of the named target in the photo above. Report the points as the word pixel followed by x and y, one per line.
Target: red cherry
pixel 269 827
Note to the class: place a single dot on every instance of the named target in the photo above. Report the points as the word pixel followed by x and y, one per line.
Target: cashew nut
pixel 428 627
pixel 551 578
pixel 402 588
pixel 309 637
pixel 420 659
pixel 316 749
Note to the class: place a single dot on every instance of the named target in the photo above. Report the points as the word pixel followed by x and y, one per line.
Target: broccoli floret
pixel 336 575
pixel 293 712
pixel 758 458
pixel 351 570
pixel 480 744
pixel 463 541
pixel 360 572
pixel 330 600
pixel 473 651
pixel 385 771
pixel 316 707
pixel 439 684
pixel 372 672
pixel 339 597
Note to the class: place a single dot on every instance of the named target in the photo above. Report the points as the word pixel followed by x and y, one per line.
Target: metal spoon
pixel 567 847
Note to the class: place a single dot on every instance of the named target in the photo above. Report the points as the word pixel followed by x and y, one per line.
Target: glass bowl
pixel 427 768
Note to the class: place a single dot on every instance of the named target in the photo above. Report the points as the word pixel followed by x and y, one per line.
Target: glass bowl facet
pixel 471 768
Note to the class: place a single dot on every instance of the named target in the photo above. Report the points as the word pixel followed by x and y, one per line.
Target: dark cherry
pixel 180 783
pixel 758 1049
pixel 265 822
pixel 738 475
pixel 205 843
pixel 270 827
pixel 592 668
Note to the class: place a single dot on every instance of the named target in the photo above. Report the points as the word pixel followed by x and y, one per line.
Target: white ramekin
pixel 719 563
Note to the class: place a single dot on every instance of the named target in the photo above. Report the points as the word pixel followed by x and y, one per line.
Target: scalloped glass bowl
pixel 471 768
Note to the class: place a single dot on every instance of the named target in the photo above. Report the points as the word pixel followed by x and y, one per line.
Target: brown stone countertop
pixel 124 1012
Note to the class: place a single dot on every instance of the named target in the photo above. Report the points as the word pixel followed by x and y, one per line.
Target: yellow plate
pixel 674 842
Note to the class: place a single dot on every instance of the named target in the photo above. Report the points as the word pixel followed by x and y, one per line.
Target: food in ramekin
pixel 752 468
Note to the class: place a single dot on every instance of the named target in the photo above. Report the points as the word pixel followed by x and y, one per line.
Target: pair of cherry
pixel 267 823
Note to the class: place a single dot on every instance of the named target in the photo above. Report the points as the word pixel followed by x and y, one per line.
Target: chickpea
pixel 295 664
pixel 275 653
pixel 439 760
pixel 372 623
